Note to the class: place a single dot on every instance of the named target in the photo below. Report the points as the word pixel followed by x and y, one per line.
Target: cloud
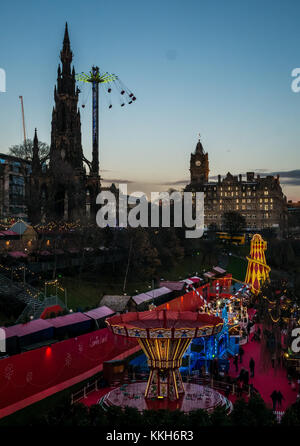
pixel 175 182
pixel 117 180
pixel 287 177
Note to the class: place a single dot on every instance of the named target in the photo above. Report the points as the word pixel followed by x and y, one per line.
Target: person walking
pixel 252 367
pixel 236 363
pixel 239 388
pixel 241 353
pixel 279 399
pixel 227 391
pixel 248 330
pixel 274 398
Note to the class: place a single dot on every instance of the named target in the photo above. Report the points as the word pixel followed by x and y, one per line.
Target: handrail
pixel 214 384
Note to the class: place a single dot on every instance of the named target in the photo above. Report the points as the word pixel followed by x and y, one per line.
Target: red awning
pixel 44 253
pixel 8 233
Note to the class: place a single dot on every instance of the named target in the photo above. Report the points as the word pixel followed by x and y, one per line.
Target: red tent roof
pixel 164 319
pixel 17 254
pixel 8 232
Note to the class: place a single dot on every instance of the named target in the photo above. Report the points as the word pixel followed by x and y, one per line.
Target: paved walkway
pixel 265 379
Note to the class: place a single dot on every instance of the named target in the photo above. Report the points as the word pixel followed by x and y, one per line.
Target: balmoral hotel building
pixel 259 199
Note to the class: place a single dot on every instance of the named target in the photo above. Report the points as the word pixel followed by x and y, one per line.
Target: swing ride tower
pixel 95 77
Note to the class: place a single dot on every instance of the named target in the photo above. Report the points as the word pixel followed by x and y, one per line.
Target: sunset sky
pixel 219 68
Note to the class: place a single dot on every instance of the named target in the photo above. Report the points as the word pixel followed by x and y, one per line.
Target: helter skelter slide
pixel 257 270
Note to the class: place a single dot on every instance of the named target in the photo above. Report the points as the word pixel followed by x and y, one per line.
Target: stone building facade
pixel 259 199
pixel 13 175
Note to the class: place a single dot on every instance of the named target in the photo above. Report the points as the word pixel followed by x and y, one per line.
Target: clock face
pixel 198 163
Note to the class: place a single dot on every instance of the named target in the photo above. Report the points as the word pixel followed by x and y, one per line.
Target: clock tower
pixel 199 165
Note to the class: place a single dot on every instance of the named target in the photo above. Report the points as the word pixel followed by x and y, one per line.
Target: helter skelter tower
pixel 257 270
pixel 164 337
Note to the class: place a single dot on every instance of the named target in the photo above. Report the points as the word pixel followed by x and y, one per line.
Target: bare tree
pixel 25 150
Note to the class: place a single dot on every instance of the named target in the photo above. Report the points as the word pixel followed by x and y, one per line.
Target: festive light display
pixel 257 270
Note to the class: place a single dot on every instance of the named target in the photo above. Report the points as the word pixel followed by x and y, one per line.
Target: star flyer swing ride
pixel 112 81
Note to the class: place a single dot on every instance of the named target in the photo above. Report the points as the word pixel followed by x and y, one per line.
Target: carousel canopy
pixel 165 324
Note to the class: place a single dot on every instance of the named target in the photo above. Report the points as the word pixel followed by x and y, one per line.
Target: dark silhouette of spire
pixel 66 54
pixel 36 165
pixel 66 131
pixel 199 148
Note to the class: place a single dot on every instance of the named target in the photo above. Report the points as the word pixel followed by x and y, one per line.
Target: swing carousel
pixel 164 337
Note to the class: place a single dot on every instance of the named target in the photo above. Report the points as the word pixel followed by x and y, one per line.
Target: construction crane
pixel 23 119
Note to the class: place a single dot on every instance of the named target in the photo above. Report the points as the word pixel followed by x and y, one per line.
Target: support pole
pixel 95 114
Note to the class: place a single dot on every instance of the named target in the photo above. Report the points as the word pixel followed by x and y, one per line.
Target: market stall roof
pixel 187 281
pixel 68 319
pixel 19 227
pixel 44 253
pixel 28 328
pixel 140 298
pixel 117 303
pixel 153 294
pixel 73 250
pixel 195 279
pixel 8 232
pixel 158 292
pixel 17 254
pixel 58 251
pixel 99 313
pixel 219 270
pixel 172 285
pixel 209 274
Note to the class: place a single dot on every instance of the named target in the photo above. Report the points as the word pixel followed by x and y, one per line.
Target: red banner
pixel 32 372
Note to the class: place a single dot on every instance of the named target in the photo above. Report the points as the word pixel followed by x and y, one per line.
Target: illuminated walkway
pixel 265 380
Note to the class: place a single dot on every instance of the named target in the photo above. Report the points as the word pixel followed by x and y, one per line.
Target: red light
pixel 48 351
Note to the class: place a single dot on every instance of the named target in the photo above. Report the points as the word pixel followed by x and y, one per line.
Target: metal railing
pixel 222 386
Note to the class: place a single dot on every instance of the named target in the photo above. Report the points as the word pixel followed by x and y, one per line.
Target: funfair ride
pixel 258 271
pixel 164 337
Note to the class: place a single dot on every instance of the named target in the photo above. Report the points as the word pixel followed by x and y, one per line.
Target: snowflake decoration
pixel 9 371
pixel 68 359
pixel 29 377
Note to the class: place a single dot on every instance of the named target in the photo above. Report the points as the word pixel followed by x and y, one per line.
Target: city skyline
pixel 247 114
